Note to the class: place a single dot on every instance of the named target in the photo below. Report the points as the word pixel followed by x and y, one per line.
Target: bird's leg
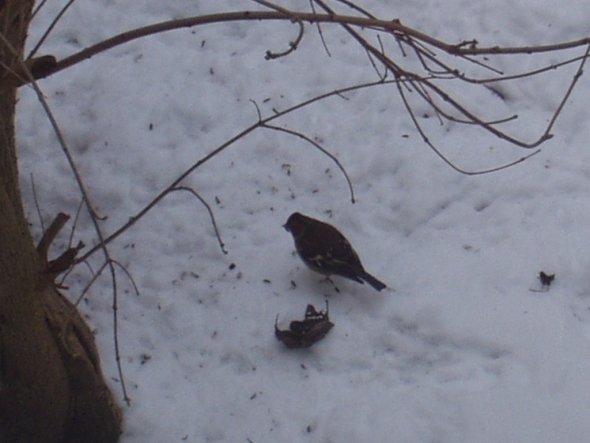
pixel 333 284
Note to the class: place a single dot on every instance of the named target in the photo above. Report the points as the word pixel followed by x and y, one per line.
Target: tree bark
pixel 51 385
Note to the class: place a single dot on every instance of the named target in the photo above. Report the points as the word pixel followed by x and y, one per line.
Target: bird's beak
pixel 286 228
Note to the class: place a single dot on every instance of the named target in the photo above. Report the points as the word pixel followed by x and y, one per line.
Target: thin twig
pixel 569 91
pixel 75 222
pixel 357 8
pixel 90 283
pixel 209 210
pixel 292 46
pixel 320 148
pixel 434 149
pixel 521 75
pixel 50 28
pixel 129 276
pixel 37 207
pixel 70 240
pixel 38 8
pixel 320 32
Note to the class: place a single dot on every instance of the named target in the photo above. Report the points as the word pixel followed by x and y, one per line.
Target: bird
pixel 325 250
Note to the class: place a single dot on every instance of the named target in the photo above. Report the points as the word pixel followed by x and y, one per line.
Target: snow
pixel 465 347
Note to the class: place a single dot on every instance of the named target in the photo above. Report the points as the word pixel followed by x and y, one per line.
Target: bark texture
pixel 51 385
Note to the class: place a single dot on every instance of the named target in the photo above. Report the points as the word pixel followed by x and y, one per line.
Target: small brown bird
pixel 325 250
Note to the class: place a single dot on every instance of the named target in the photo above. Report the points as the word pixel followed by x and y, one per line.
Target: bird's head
pixel 296 223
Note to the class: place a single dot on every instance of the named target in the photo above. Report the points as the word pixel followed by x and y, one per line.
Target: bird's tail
pixel 373 281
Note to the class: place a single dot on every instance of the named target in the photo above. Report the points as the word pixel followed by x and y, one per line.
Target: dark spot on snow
pixel 481 206
pixel 546 279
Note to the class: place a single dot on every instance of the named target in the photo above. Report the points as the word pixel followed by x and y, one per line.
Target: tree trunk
pixel 51 384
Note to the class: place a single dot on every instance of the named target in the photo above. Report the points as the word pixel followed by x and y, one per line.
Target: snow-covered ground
pixel 464 349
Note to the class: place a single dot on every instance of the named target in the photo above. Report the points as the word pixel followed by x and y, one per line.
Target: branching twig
pixel 403 34
pixel 387 26
pixel 132 220
pixel 90 283
pixel 425 84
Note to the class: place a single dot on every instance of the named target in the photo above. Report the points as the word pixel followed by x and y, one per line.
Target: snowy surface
pixel 466 349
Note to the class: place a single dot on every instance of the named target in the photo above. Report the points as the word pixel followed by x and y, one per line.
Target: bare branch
pixel 208 207
pixel 132 220
pixel 292 46
pixel 129 276
pixel 90 283
pixel 48 236
pixel 569 91
pixel 76 218
pixel 320 32
pixel 388 26
pixel 64 262
pixel 422 46
pixel 320 148
pixel 20 73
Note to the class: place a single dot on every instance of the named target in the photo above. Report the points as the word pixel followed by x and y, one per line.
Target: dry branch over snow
pixel 334 109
